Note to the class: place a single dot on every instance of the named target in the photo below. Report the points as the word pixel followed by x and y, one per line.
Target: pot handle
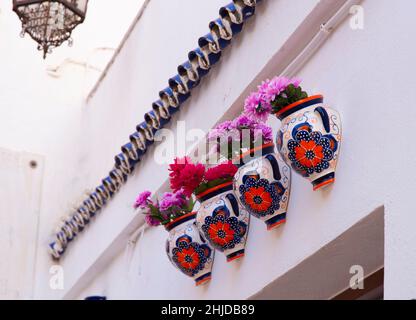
pixel 234 203
pixel 325 118
pixel 275 167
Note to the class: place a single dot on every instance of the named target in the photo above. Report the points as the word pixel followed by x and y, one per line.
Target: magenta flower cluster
pixel 172 199
pixel 258 104
pixel 234 130
pixel 249 127
pixel 170 205
pixel 143 200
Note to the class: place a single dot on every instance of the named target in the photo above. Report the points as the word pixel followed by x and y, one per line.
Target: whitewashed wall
pixel 149 58
pixel 365 74
pixel 21 178
pixel 40 115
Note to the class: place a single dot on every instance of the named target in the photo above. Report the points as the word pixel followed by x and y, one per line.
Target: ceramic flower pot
pixel 262 185
pixel 188 250
pixel 309 139
pixel 223 222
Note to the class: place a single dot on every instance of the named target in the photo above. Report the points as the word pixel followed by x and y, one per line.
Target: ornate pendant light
pixel 50 22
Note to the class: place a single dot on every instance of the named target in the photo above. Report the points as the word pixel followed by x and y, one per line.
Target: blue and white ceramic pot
pixel 309 139
pixel 188 250
pixel 262 185
pixel 223 222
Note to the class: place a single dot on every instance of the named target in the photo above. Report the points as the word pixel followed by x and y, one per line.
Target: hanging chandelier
pixel 50 22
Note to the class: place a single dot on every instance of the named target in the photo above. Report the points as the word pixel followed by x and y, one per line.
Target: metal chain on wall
pixel 190 74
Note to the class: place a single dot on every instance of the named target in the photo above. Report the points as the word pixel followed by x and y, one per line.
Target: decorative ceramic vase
pixel 223 222
pixel 262 185
pixel 309 139
pixel 188 250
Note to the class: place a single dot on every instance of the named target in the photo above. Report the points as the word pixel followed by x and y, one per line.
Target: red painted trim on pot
pixel 323 184
pixel 272 226
pixel 202 281
pixel 226 184
pixel 179 219
pixel 290 106
pixel 236 257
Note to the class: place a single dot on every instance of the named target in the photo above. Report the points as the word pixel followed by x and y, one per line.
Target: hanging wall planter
pixel 188 250
pixel 310 135
pixel 262 185
pixel 186 247
pixel 262 182
pixel 309 139
pixel 223 223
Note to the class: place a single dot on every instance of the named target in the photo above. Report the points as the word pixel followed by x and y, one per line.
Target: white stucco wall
pixel 40 117
pixel 364 74
pixel 21 176
pixel 132 84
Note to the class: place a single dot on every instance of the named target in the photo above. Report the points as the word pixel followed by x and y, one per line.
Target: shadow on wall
pixel 356 254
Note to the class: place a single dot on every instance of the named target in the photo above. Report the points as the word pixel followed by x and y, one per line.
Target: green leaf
pixel 157 217
pixel 199 189
pixel 153 210
pixel 190 205
pixel 211 184
pixel 291 90
pixel 279 103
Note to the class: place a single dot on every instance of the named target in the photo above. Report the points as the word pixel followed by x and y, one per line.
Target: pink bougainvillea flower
pixel 243 121
pixel 256 107
pixel 296 82
pixel 173 199
pixel 263 86
pixel 264 131
pixel 151 221
pixel 142 200
pixel 215 134
pixel 221 131
pixel 276 86
pixel 226 125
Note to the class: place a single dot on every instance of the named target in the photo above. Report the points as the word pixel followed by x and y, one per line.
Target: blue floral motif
pixel 190 257
pixel 224 232
pixel 260 197
pixel 310 151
